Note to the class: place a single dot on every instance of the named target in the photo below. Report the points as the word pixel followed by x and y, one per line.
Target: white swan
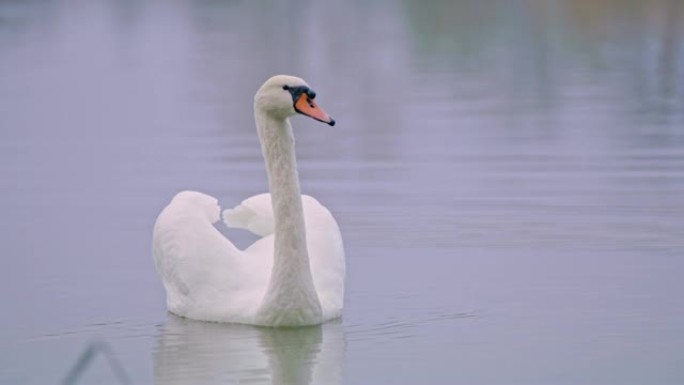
pixel 293 275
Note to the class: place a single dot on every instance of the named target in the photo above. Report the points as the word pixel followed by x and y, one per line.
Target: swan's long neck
pixel 291 297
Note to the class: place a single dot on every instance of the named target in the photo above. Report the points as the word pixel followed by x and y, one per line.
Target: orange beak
pixel 308 107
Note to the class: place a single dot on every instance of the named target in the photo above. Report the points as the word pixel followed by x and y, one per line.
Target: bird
pixel 294 274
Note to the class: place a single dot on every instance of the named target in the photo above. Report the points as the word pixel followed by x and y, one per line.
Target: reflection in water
pixel 86 358
pixel 191 352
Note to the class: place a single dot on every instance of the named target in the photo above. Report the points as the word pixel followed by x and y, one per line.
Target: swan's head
pixel 283 96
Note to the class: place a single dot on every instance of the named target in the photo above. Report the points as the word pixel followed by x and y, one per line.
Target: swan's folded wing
pixel 196 262
pixel 254 214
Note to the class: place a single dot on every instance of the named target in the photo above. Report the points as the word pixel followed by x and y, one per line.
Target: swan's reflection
pixel 191 352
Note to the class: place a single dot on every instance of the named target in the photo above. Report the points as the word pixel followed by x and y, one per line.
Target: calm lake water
pixel 508 177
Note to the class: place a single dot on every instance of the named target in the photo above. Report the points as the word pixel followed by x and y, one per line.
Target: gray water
pixel 508 177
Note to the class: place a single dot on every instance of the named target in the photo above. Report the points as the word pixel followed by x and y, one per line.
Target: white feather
pixel 254 214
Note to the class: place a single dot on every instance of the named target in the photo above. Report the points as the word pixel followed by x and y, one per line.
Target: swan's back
pixel 207 278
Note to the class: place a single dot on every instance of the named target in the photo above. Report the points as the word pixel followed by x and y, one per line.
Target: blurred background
pixel 508 177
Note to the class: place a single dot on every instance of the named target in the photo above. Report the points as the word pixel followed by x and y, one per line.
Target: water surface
pixel 508 177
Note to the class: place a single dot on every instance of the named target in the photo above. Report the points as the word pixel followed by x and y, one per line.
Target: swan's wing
pixel 204 274
pixel 326 253
pixel 324 242
pixel 254 214
pixel 198 259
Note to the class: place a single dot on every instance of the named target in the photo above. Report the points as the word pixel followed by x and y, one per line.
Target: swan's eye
pixel 286 87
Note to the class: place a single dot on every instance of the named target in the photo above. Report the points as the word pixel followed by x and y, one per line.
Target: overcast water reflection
pixel 508 177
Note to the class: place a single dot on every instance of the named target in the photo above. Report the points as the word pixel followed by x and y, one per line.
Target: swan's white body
pixel 294 275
